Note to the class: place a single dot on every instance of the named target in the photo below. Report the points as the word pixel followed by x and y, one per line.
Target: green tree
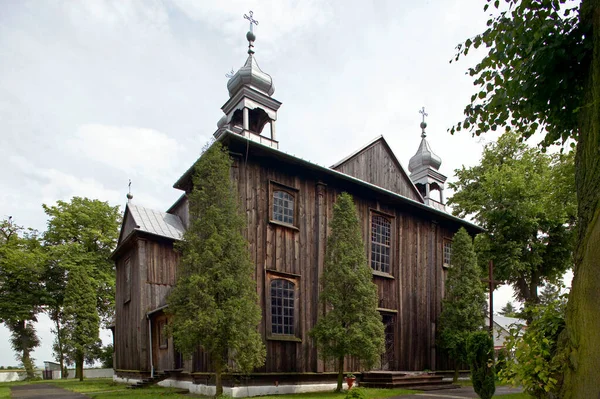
pixel 480 349
pixel 352 325
pixel 21 289
pixel 82 232
pixel 81 322
pixel 214 303
pixel 514 193
pixel 542 72
pixel 537 361
pixel 509 310
pixel 464 302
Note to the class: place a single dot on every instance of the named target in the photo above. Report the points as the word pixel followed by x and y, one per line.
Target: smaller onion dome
pixel 222 122
pixel 252 76
pixel 424 158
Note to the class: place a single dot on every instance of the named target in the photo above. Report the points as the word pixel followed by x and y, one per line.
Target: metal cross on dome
pixel 251 19
pixel 422 112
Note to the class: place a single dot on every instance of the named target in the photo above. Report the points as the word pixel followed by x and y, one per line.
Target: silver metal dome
pixel 424 158
pixel 252 76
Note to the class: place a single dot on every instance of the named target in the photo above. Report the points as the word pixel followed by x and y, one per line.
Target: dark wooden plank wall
pixel 413 289
pixel 183 211
pixel 163 358
pixel 376 165
pixel 128 315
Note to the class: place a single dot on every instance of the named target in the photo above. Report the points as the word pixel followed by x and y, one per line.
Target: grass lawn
pixel 514 396
pixel 106 388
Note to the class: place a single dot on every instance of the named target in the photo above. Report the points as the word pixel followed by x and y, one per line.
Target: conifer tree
pixel 81 321
pixel 352 325
pixel 464 302
pixel 214 303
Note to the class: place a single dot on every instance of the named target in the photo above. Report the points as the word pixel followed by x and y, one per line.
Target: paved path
pixel 457 393
pixel 43 391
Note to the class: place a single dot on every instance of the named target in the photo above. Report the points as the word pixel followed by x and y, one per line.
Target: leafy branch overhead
pixel 534 82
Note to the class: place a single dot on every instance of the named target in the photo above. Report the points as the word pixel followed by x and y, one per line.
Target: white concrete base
pixel 238 392
pixel 122 380
pixel 248 391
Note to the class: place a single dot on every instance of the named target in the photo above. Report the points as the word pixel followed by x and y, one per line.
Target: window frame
pixel 295 280
pixel 446 241
pixel 163 338
pixel 293 192
pixel 391 219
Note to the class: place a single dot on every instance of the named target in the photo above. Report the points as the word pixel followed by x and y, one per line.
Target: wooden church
pixel 288 202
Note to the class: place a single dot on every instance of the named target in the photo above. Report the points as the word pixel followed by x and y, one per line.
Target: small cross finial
pixel 251 19
pixel 129 195
pixel 423 124
pixel 250 35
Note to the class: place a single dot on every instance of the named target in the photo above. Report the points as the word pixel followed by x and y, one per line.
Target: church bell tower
pixel 423 167
pixel 250 107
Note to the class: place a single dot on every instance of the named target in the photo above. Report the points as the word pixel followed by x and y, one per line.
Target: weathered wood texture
pixel 410 294
pixel 153 265
pixel 377 165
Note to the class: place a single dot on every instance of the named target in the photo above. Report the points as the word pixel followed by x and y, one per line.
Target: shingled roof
pixel 156 222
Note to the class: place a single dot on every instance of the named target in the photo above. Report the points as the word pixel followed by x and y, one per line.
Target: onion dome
pixel 424 158
pixel 250 73
pixel 252 76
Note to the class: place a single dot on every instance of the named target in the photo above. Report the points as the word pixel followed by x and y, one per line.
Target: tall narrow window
pixel 380 243
pixel 447 253
pixel 163 338
pixel 282 307
pixel 283 207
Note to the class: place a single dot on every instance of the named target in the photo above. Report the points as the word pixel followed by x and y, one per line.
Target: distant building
pixel 502 327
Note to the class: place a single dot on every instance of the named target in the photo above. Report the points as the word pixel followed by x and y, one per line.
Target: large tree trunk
pixel 340 380
pixel 583 318
pixel 79 365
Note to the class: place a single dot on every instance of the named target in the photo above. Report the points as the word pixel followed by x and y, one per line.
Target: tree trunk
pixel 340 380
pixel 218 379
pixel 583 319
pixel 79 366
pixel 455 379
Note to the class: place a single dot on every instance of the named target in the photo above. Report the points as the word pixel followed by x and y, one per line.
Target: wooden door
pixel 387 358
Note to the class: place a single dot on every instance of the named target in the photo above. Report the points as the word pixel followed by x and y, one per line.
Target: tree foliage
pixel 525 200
pixel 538 361
pixel 480 349
pixel 81 233
pixel 509 310
pixel 464 302
pixel 214 303
pixel 21 288
pixel 351 325
pixel 542 72
pixel 81 322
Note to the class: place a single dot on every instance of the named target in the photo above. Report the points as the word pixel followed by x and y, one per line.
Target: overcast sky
pixel 93 93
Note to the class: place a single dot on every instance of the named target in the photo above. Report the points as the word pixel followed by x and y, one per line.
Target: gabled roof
pixel 508 322
pixel 402 175
pixel 139 218
pixel 157 222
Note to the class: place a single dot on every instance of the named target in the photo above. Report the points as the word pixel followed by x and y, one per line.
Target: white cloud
pixel 136 151
pixel 48 185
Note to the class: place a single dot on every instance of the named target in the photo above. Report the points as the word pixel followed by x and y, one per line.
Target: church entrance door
pixel 388 358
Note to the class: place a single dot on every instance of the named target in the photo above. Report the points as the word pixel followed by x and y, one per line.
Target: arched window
pixel 283 207
pixel 381 229
pixel 282 307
